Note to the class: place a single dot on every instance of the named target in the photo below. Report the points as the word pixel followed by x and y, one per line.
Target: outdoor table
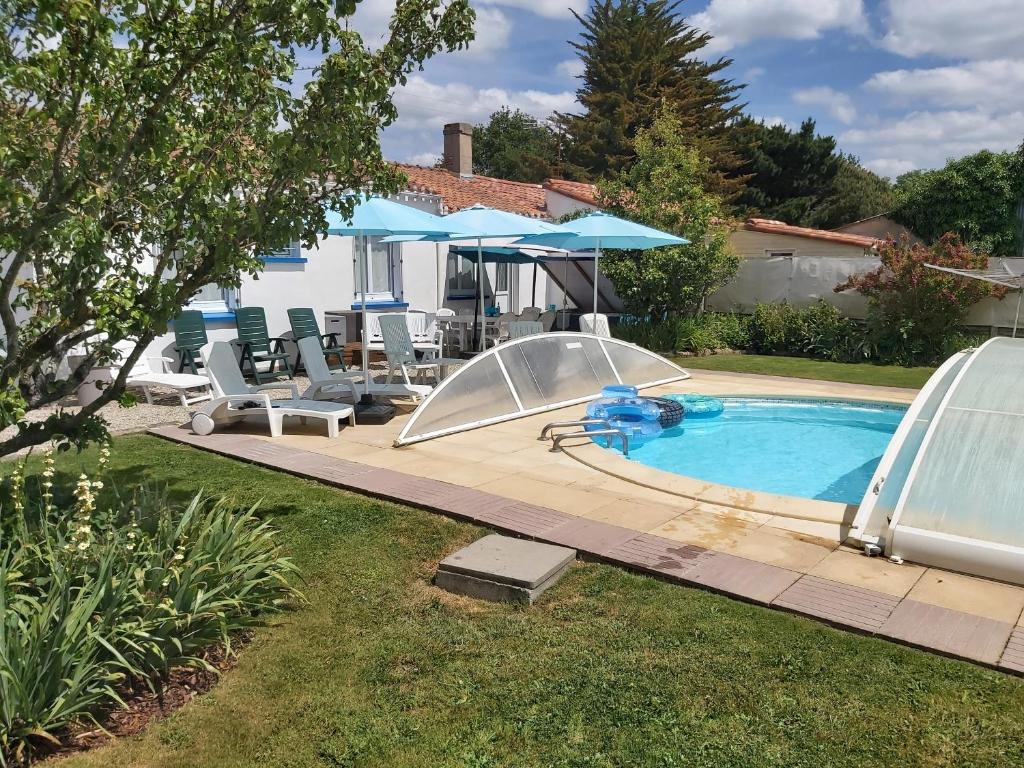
pixel 464 324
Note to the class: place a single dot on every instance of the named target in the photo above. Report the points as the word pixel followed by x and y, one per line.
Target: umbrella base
pixel 370 412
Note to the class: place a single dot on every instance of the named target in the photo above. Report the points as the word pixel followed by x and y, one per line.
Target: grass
pixel 802 368
pixel 609 669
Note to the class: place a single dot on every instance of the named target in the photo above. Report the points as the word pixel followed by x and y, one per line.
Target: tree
pixel 514 145
pixel 978 196
pixel 789 172
pixel 912 310
pixel 855 193
pixel 148 150
pixel 664 189
pixel 637 56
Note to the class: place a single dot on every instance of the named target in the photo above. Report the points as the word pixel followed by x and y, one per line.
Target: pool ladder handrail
pixel 575 423
pixel 556 443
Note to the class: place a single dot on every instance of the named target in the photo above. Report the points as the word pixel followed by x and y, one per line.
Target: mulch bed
pixel 145 707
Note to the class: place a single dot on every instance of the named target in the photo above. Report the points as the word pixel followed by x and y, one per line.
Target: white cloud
pixel 773 120
pixel 974 29
pixel 426 159
pixel 493 28
pixel 752 74
pixel 570 68
pixel 736 22
pixel 889 166
pixel 927 139
pixel 553 9
pixel 1000 81
pixel 838 104
pixel 424 107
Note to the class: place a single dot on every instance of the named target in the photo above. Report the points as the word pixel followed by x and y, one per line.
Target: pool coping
pixel 995 644
pixel 616 465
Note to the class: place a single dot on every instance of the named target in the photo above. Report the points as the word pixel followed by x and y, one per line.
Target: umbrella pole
pixel 533 295
pixel 597 259
pixel 478 324
pixel 364 287
pixel 565 297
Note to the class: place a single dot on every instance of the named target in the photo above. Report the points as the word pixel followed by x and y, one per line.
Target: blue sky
pixel 902 84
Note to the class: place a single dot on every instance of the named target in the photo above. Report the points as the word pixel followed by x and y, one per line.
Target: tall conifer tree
pixel 639 55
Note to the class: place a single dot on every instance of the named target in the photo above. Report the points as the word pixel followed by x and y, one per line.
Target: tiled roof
pixel 781 228
pixel 577 190
pixel 460 192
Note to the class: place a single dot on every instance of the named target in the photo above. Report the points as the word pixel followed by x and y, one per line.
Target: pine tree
pixel 639 55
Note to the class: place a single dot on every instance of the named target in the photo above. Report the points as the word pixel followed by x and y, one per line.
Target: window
pixel 501 278
pixel 461 276
pixel 290 255
pixel 380 277
pixel 211 299
pixel 779 254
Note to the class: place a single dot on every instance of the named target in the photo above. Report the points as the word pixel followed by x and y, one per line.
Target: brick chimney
pixel 458 148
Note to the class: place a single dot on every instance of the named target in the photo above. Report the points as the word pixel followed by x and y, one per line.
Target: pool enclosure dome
pixel 947 491
pixel 533 374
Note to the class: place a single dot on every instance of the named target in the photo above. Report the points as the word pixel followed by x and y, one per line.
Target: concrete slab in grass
pixel 504 569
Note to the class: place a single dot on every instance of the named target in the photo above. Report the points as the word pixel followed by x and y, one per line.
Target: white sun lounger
pixel 234 399
pixel 326 384
pixel 142 376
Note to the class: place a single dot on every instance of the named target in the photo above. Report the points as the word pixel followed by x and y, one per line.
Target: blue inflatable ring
pixel 699 406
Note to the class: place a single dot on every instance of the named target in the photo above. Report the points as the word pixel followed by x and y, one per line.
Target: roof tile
pixel 458 192
pixel 772 226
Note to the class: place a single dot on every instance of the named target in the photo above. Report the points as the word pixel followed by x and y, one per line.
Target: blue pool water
pixel 824 450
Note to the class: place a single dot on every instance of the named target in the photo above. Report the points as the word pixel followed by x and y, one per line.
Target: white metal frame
pixel 862 528
pixel 403 438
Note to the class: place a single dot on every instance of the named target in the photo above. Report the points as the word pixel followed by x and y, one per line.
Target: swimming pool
pixel 818 449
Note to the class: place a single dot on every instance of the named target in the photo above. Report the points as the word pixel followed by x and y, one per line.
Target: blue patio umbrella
pixel 377 216
pixel 493 223
pixel 602 230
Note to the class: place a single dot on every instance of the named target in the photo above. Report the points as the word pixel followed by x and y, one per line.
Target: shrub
pixel 913 310
pixel 108 592
pixel 697 335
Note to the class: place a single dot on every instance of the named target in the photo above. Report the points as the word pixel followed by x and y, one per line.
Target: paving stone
pixel 504 569
pixel 589 535
pixel 740 577
pixel 1013 656
pixel 656 555
pixel 948 631
pixel 838 603
pixel 521 517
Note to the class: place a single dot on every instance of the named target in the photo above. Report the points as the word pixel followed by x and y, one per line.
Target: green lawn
pixel 802 368
pixel 609 669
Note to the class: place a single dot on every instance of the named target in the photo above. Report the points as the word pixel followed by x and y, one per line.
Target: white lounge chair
pixel 401 354
pixel 596 324
pixel 234 399
pixel 142 376
pixel 325 384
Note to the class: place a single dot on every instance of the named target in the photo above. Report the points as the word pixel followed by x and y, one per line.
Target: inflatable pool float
pixel 672 412
pixel 698 406
pixel 619 405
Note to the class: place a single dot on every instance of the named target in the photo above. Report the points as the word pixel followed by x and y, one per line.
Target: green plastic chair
pixel 189 338
pixel 304 324
pixel 258 346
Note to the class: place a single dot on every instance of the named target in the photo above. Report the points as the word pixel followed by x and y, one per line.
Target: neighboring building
pixel 401 276
pixel 881 227
pixel 798 265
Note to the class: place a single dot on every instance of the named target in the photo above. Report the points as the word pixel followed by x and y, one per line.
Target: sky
pixel 901 84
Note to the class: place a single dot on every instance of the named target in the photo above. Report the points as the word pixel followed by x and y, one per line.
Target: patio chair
pixel 304 324
pixel 234 399
pixel 496 334
pixel 597 324
pixel 142 376
pixel 519 328
pixel 530 313
pixel 258 348
pixel 401 354
pixel 189 338
pixel 547 320
pixel 325 384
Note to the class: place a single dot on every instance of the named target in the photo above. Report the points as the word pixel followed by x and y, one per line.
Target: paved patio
pixel 772 550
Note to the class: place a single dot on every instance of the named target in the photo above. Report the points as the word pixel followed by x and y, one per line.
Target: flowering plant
pixel 913 310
